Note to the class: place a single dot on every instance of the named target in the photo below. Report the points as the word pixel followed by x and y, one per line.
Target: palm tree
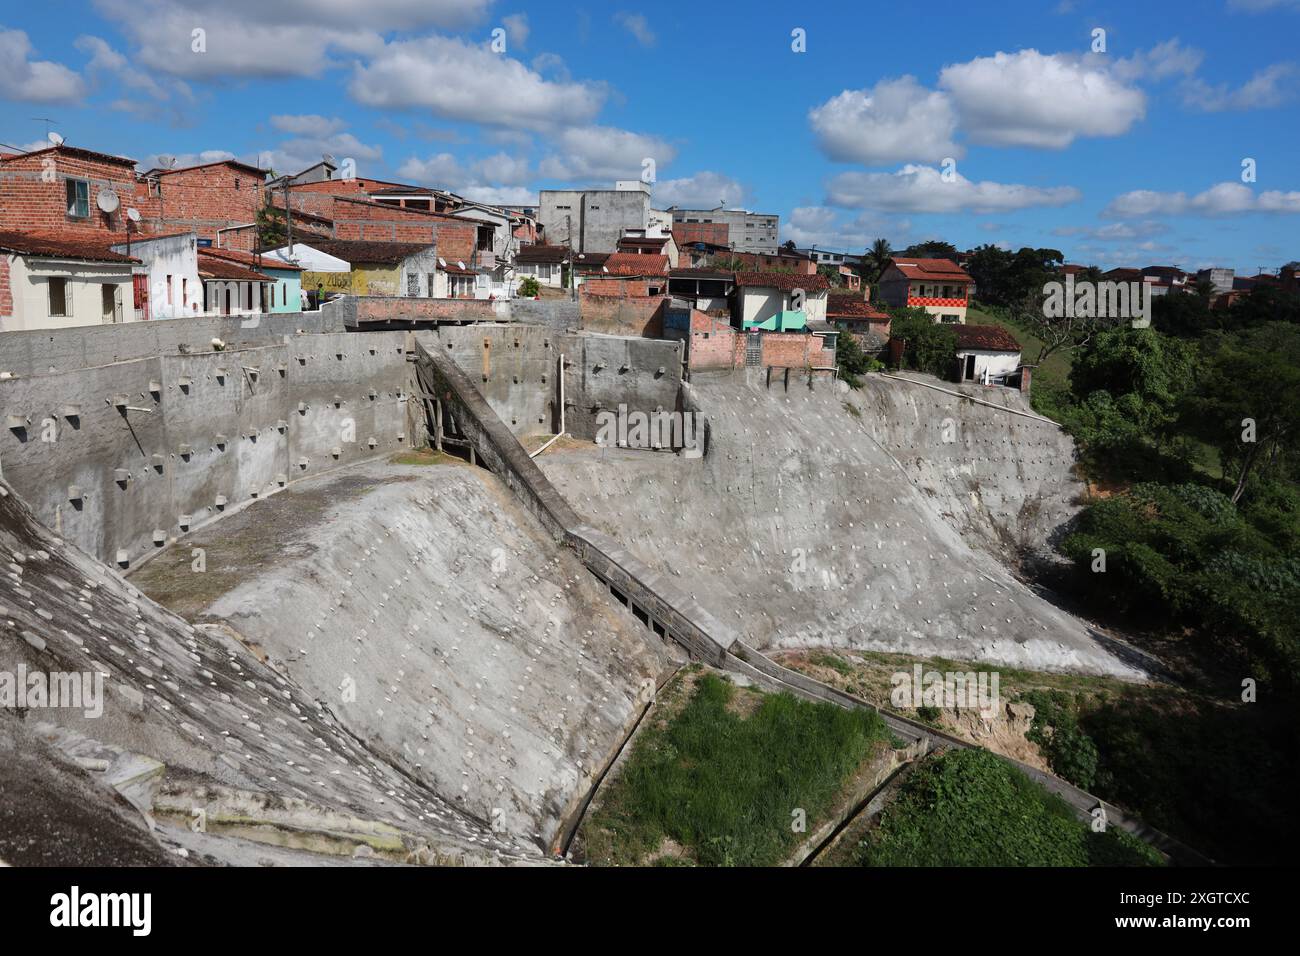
pixel 876 260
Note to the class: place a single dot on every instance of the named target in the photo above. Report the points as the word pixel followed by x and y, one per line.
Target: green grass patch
pixel 721 778
pixel 971 808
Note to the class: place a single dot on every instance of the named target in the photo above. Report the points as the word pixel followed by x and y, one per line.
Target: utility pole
pixel 288 216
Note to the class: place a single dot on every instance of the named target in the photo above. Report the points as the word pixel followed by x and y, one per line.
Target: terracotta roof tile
pixel 53 245
pixel 359 250
pixel 785 281
pixel 636 264
pixel 988 338
pixel 541 253
pixel 937 270
pixel 248 259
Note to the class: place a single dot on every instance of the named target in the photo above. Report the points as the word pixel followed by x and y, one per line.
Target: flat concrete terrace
pixel 427 610
pixel 801 530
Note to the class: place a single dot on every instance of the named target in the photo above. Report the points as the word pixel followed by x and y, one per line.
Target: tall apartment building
pixel 593 220
pixel 747 231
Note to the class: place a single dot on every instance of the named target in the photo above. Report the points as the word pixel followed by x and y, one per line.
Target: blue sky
pixel 1128 156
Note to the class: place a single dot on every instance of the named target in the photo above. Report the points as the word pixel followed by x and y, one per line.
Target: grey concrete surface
pixel 204 705
pixel 443 626
pixel 197 434
pixel 799 530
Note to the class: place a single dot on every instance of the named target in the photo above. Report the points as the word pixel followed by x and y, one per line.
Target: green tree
pixel 875 261
pixel 1143 372
pixel 931 346
pixel 271 232
pixel 931 249
pixel 1246 402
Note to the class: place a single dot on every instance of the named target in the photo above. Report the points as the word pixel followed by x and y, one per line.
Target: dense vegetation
pixel 1189 433
pixel 971 808
pixel 723 785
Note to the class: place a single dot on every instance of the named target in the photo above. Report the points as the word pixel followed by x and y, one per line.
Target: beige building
pixel 52 282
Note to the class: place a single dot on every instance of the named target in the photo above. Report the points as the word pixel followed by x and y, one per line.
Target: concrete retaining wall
pixel 48 351
pixel 121 458
pixel 515 368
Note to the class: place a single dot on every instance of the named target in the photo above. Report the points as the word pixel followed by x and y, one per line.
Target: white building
pixel 169 274
pixel 779 301
pixel 543 263
pixel 987 354
pixel 49 282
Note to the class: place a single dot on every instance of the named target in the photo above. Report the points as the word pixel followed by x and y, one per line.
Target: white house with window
pixel 167 284
pixel 52 282
pixel 543 263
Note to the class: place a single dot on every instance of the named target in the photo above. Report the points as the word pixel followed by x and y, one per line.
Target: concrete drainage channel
pixel 674 615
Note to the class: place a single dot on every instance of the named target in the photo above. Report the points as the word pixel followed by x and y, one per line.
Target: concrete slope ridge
pixel 206 707
pixel 442 625
pixel 799 530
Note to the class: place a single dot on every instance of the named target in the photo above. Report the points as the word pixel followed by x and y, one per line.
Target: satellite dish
pixel 133 214
pixel 442 262
pixel 328 157
pixel 165 161
pixel 107 200
pixel 460 264
pixel 55 139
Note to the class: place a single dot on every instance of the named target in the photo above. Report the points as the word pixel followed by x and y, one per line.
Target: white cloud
pixel 517 28
pixel 1042 100
pixel 1223 199
pixel 1162 61
pixel 894 121
pixel 457 80
pixel 181 160
pixel 604 153
pixel 286 38
pixel 637 25
pixel 34 81
pixel 823 227
pixel 307 124
pixel 1269 87
pixel 1115 230
pixel 503 169
pixel 703 190
pixel 499 178
pixel 922 189
pixel 1259 6
pixel 500 195
pixel 441 170
pixel 296 154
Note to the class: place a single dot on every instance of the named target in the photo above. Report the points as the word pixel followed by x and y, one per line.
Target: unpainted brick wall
pixel 623 315
pixel 30 202
pixel 6 292
pixel 205 199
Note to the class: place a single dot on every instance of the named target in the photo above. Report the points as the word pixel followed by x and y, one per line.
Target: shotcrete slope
pixel 441 624
pixel 803 531
pixel 230 731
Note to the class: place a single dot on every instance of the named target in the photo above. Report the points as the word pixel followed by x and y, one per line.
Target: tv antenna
pixel 47 121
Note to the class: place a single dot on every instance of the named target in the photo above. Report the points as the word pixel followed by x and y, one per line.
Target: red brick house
pixel 208 198
pixel 59 190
